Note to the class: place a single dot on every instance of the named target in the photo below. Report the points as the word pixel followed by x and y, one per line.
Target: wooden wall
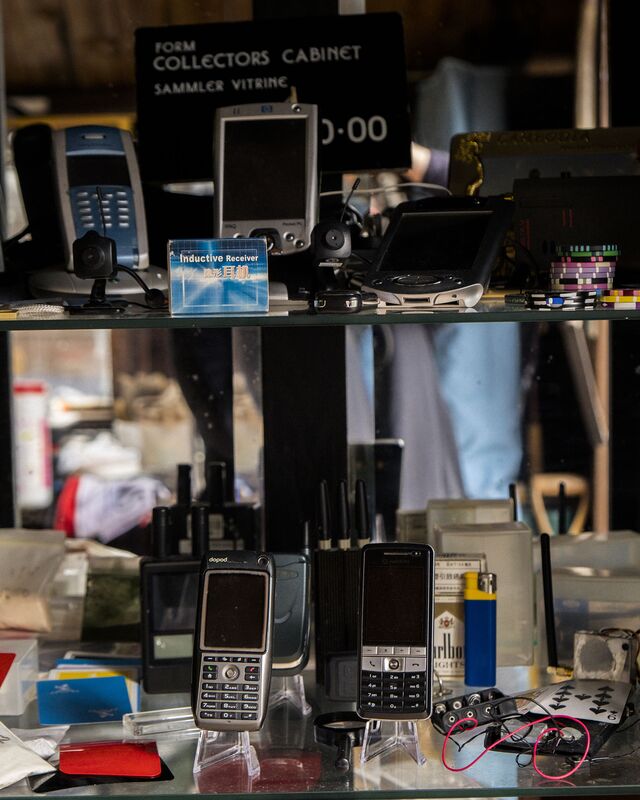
pixel 88 44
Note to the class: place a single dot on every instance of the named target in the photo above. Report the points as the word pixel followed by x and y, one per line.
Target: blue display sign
pixel 218 276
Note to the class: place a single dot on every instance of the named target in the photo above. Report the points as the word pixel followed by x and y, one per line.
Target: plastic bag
pixel 28 562
pixel 17 761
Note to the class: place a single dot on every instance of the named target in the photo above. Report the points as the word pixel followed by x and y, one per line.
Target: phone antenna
pixel 356 183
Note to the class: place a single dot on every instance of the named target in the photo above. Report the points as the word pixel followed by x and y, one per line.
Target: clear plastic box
pixel 28 562
pixel 607 550
pixel 66 602
pixel 465 512
pixel 588 599
pixel 18 688
pixel 509 552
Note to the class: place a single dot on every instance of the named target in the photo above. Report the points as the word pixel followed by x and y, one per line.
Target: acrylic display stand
pixel 383 736
pixel 216 748
pixel 177 723
pixel 166 723
pixel 289 690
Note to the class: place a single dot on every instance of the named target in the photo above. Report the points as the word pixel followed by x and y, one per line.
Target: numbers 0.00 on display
pixel 356 130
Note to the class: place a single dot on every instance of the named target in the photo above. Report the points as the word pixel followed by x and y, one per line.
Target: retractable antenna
pixel 344 518
pixel 323 516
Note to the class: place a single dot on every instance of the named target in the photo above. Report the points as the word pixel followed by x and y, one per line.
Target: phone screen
pixel 264 169
pixel 395 602
pixel 235 604
pixel 425 241
pixel 173 603
pixel 97 171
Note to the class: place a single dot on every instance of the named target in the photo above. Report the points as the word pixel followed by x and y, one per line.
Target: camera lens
pixel 334 238
pixel 92 257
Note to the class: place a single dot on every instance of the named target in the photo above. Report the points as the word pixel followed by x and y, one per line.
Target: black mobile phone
pixel 395 641
pixel 233 641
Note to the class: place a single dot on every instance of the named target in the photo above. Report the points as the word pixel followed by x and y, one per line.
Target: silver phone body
pixel 230 685
pixel 395 641
pixel 267 184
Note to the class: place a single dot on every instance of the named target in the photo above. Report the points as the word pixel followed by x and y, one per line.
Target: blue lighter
pixel 480 629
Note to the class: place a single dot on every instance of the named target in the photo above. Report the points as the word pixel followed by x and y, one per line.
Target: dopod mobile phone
pixel 266 173
pixel 396 632
pixel 233 641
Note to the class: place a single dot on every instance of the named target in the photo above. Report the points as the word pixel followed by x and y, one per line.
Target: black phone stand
pixel 98 303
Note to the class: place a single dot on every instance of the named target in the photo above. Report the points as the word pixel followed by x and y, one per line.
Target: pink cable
pixel 470 724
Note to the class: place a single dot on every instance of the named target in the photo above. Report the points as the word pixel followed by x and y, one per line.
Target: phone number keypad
pixel 391 684
pixel 229 688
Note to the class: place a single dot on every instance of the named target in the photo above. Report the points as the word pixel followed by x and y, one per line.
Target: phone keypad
pixel 229 688
pixel 393 683
pixel 111 209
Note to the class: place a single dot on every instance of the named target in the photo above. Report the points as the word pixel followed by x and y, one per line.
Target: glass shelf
pixel 293 766
pixel 485 311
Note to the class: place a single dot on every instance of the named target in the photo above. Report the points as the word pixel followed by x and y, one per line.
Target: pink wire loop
pixel 470 724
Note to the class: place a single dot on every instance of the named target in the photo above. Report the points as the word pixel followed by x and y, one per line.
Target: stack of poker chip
pixel 565 301
pixel 583 267
pixel 625 299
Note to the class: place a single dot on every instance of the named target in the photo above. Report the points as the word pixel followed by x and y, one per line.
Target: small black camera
pixel 94 256
pixel 331 242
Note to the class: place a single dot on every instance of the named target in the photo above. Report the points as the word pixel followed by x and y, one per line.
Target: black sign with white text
pixel 352 67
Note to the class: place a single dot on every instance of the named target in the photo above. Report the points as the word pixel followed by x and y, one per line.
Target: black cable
pixel 155 298
pixel 362 258
pixel 142 305
pixel 135 276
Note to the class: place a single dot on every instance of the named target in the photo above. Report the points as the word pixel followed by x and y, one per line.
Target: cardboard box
pixel 448 628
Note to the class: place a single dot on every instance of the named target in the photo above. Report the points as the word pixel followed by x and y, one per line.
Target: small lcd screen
pixel 429 241
pixel 264 169
pixel 98 171
pixel 172 646
pixel 395 602
pixel 235 607
pixel 174 599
